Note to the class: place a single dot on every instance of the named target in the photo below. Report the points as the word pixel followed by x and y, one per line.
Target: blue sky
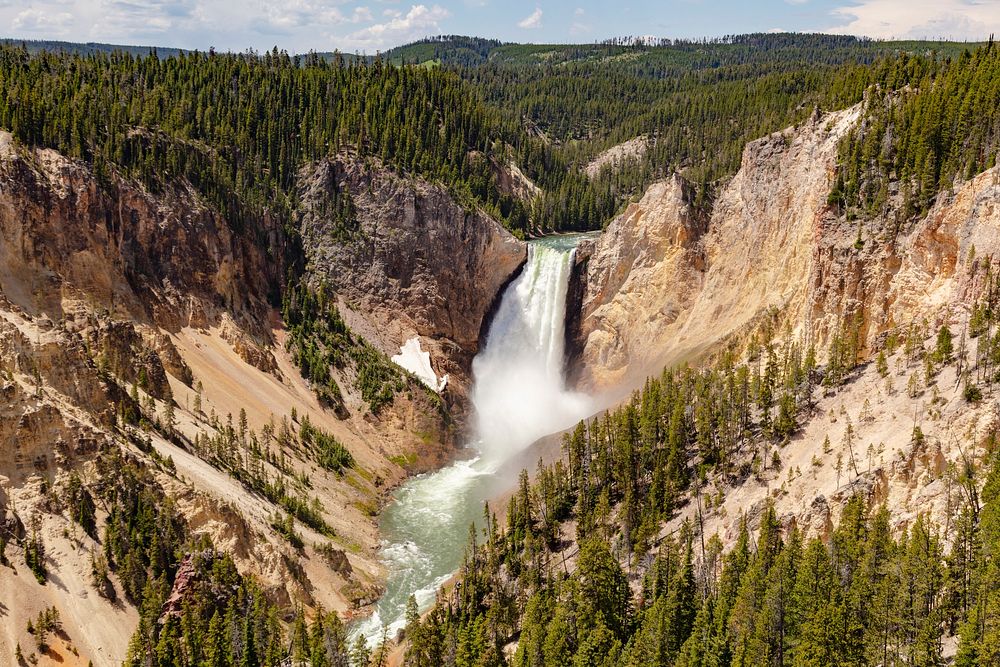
pixel 372 25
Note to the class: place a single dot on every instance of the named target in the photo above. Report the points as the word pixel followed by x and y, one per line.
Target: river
pixel 519 395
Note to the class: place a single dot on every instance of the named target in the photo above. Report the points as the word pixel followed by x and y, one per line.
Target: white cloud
pixel 361 15
pixel 420 21
pixel 954 19
pixel 286 17
pixel 579 26
pixel 533 21
pixel 148 18
pixel 42 23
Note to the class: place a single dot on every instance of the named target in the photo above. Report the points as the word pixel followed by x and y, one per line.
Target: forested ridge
pixel 239 126
pixel 697 102
pixel 927 124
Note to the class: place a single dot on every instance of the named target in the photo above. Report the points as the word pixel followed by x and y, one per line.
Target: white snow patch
pixel 418 362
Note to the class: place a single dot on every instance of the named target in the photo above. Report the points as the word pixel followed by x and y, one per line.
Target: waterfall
pixel 519 389
pixel 519 396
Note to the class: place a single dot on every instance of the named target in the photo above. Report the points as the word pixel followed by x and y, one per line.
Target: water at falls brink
pixel 519 395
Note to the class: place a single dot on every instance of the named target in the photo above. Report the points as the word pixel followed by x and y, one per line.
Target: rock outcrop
pixel 650 251
pixel 676 289
pixel 617 155
pixel 661 286
pixel 167 259
pixel 928 272
pixel 415 263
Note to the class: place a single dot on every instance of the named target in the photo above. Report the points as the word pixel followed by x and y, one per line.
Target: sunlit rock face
pixel 666 283
pixel 663 285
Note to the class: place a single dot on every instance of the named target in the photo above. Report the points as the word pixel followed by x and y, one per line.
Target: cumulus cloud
pixel 287 17
pixel 533 21
pixel 953 19
pixel 42 23
pixel 150 17
pixel 419 21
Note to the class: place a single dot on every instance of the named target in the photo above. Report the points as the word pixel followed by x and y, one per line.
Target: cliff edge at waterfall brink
pixel 406 260
pixel 666 283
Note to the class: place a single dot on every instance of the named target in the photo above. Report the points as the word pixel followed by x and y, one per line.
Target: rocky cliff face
pixel 662 287
pixel 931 271
pixel 414 264
pixel 651 250
pixel 166 259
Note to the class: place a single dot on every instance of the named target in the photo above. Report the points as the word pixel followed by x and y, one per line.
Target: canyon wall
pixel 663 286
pixel 774 260
pixel 412 262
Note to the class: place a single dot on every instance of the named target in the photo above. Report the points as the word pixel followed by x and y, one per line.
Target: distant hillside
pixel 90 48
pixel 658 57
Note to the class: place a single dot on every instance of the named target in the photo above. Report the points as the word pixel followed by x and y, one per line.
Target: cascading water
pixel 519 391
pixel 519 395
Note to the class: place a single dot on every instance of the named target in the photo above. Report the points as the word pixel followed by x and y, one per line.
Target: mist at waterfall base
pixel 519 396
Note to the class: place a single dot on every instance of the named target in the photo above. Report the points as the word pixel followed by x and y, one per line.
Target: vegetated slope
pixel 158 437
pixel 697 102
pixel 136 334
pixel 663 56
pixel 708 520
pixel 90 48
pixel 822 489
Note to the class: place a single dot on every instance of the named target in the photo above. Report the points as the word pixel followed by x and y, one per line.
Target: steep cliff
pixel 650 251
pixel 165 259
pixel 663 287
pixel 405 259
pixel 660 288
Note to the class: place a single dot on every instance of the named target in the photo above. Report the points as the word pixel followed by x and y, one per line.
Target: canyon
pixel 112 295
pixel 666 284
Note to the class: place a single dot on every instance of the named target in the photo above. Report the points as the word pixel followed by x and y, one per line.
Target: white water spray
pixel 519 395
pixel 519 392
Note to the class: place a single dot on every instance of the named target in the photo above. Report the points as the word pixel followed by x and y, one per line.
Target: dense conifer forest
pixel 239 126
pixel 928 123
pixel 699 102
